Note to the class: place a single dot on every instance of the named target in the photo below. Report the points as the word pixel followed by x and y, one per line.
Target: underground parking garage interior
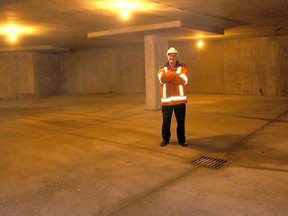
pixel 80 108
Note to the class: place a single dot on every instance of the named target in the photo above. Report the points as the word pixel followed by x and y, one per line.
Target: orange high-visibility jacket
pixel 173 84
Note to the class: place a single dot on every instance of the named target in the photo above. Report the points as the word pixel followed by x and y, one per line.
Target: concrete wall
pixel 104 70
pixel 282 82
pixel 16 75
pixel 252 66
pixel 29 75
pixel 48 74
pixel 239 66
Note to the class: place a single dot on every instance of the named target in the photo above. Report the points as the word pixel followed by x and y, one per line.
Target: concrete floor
pixel 100 155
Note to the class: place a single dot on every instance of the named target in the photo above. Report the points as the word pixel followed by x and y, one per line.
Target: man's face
pixel 172 58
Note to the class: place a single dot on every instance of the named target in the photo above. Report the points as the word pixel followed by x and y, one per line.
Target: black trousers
pixel 180 113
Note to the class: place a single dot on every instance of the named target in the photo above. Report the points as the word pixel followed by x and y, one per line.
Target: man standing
pixel 173 77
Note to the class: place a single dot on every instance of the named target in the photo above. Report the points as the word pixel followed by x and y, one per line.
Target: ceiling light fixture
pixel 125 9
pixel 125 14
pixel 13 31
pixel 200 43
pixel 12 38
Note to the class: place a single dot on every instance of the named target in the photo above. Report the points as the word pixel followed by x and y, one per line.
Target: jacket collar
pixel 177 64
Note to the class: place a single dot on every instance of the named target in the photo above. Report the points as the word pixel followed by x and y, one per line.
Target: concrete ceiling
pixel 73 24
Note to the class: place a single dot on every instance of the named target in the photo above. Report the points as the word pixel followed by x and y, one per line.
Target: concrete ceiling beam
pixel 154 28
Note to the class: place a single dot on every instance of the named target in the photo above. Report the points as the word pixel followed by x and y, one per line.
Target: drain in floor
pixel 210 162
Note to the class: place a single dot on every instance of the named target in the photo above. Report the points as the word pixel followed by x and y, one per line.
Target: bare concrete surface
pixel 100 155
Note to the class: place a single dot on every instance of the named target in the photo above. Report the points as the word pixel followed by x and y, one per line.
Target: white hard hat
pixel 172 50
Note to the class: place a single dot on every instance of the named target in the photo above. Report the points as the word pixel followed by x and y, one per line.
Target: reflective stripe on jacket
pixel 173 84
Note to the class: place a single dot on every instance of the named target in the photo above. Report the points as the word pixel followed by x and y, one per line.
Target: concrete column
pixel 155 56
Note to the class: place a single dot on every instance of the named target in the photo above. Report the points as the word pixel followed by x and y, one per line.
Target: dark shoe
pixel 184 144
pixel 164 143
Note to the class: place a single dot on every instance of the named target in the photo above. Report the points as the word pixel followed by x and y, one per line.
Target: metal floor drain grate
pixel 210 162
